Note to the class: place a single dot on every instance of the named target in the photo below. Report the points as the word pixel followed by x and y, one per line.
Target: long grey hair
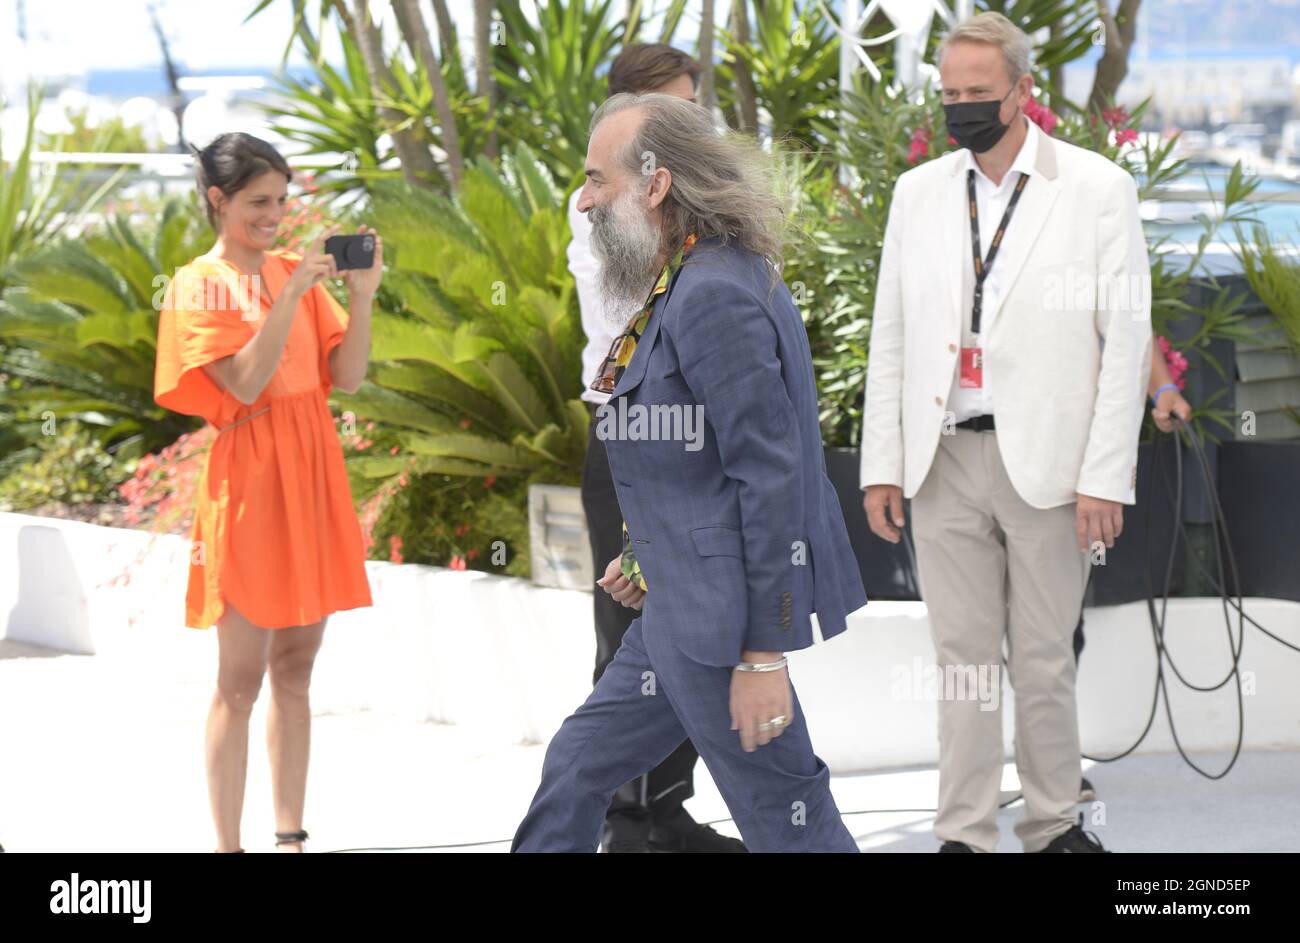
pixel 723 184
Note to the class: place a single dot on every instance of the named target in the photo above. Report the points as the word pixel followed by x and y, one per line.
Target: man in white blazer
pixel 1006 405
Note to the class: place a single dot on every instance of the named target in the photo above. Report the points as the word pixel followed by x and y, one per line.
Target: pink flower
pixel 1114 117
pixel 920 145
pixel 1125 136
pixel 1041 115
pixel 457 563
pixel 395 548
pixel 1176 361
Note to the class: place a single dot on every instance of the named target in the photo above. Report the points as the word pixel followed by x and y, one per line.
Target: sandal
pixel 289 838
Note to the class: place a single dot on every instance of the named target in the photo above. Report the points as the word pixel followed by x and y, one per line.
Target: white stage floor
pixel 105 754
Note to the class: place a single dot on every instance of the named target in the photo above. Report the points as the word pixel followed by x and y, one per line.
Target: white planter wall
pixel 508 660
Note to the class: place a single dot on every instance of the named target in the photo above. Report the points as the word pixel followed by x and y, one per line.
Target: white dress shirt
pixel 596 325
pixel 992 200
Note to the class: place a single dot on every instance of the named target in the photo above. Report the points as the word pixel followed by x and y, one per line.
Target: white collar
pixel 1025 160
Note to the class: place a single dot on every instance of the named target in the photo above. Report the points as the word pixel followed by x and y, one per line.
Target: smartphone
pixel 352 251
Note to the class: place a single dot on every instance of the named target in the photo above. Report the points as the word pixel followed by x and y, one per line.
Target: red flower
pixel 1176 361
pixel 1114 117
pixel 471 554
pixel 1041 115
pixel 1125 136
pixel 920 145
pixel 462 530
pixel 489 481
pixel 464 423
pixel 395 548
pixel 457 563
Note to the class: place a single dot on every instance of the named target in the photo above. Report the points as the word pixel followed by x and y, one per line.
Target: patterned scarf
pixel 620 355
pixel 624 346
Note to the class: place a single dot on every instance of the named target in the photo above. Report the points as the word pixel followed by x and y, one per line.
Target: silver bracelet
pixel 762 666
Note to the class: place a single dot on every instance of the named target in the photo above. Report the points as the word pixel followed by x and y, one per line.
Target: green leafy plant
pixel 336 114
pixel 457 522
pixel 71 468
pixel 476 343
pixel 85 313
pixel 1274 276
pixel 1173 277
pixel 832 269
pixel 551 76
pixel 793 59
pixel 38 206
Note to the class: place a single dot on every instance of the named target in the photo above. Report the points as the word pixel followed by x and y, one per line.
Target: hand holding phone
pixel 352 252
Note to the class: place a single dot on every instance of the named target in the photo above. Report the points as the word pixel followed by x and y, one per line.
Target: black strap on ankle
pixel 286 838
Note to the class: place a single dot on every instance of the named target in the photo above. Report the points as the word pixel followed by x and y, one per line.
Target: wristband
pixel 1167 386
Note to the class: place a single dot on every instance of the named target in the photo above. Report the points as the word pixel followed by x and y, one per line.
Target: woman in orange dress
pixel 249 339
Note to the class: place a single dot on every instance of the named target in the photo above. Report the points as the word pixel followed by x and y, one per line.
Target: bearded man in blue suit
pixel 734 534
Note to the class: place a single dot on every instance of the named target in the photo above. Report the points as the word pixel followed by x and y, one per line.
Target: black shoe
pixel 626 830
pixel 695 839
pixel 1075 841
pixel 627 845
pixel 958 847
pixel 1086 792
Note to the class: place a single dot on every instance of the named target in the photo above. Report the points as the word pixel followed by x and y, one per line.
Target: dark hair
pixel 230 162
pixel 644 67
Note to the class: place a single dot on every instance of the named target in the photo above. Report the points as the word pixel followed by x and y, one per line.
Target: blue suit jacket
pixel 741 539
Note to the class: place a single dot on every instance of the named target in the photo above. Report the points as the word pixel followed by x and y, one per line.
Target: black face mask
pixel 976 125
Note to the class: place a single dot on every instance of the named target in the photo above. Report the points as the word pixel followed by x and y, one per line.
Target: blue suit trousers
pixel 649 699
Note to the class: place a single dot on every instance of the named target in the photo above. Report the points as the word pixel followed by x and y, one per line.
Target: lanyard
pixel 982 267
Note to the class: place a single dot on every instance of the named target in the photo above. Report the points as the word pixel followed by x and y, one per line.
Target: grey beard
pixel 627 246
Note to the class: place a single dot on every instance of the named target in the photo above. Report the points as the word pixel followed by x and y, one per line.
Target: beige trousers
pixel 993 567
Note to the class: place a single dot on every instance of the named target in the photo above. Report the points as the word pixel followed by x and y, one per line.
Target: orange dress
pixel 275 530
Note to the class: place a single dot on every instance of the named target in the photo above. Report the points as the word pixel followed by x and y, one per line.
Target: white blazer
pixel 1068 354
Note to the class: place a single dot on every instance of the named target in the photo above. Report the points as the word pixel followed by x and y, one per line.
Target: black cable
pixel 1223 548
